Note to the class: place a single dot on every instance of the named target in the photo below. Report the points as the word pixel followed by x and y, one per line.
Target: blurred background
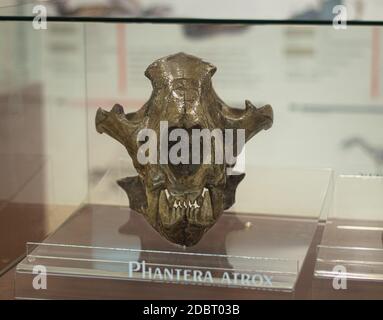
pixel 325 85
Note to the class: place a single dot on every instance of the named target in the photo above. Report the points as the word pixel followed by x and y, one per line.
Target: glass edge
pixel 180 20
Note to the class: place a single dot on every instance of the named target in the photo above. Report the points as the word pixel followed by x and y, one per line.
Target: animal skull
pixel 181 201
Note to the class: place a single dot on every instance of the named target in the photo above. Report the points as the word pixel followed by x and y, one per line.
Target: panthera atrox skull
pixel 181 201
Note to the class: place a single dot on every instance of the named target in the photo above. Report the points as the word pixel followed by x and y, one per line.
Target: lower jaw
pixel 186 218
pixel 183 232
pixel 188 236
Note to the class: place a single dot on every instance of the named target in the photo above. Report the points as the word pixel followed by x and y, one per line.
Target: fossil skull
pixel 181 201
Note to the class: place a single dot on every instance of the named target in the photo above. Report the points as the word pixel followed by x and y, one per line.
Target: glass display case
pixel 310 200
pixel 350 253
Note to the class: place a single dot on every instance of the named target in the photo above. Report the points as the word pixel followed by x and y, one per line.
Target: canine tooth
pixel 175 205
pixel 204 191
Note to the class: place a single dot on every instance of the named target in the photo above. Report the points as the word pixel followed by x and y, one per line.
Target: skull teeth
pixel 196 209
pixel 179 204
pixel 185 204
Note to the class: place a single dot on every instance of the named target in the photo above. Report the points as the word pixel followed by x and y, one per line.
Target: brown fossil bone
pixel 181 201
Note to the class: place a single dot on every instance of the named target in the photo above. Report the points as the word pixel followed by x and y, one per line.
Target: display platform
pixel 110 251
pixel 350 258
pixel 97 242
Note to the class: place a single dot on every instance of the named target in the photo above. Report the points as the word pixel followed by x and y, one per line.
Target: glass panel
pixel 42 132
pixel 324 86
pixel 360 263
pixel 353 234
pixel 162 266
